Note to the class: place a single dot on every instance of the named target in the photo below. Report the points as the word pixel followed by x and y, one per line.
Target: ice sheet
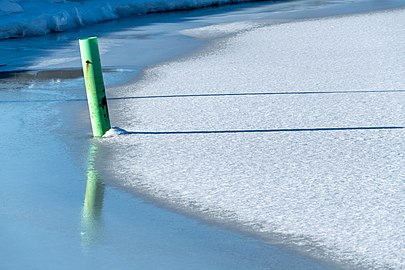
pixel 39 17
pixel 230 134
pixel 21 18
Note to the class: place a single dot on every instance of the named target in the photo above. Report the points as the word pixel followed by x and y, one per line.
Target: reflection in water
pixel 93 203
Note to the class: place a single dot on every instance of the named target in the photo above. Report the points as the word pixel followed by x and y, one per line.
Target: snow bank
pixel 21 18
pixel 336 192
pixel 114 131
pixel 9 6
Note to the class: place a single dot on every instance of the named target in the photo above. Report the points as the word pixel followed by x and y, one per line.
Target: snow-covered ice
pixel 114 131
pixel 21 18
pixel 323 170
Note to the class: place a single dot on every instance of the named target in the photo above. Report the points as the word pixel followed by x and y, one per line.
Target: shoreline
pixel 23 20
pixel 40 58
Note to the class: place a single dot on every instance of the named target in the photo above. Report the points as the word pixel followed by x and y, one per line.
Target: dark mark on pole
pixel 103 102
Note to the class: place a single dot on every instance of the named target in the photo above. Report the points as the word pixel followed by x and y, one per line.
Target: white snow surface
pixel 114 131
pixel 338 193
pixel 221 30
pixel 20 18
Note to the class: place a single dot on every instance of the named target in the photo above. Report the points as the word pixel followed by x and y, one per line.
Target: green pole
pixel 93 77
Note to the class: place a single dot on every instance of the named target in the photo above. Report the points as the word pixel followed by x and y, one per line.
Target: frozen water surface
pixel 21 18
pixel 292 130
pixel 303 170
pixel 57 209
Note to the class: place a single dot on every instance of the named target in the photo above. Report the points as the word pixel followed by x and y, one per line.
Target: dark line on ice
pixel 211 95
pixel 43 101
pixel 258 94
pixel 261 130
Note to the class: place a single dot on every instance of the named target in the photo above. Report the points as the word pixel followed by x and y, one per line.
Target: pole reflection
pixel 91 222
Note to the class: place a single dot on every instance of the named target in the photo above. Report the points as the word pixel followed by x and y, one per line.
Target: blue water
pixel 57 213
pixel 56 210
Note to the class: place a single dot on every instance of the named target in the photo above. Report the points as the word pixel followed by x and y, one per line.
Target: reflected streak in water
pixel 91 221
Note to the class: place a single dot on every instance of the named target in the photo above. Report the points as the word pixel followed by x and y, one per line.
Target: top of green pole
pixel 90 56
pixel 88 38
